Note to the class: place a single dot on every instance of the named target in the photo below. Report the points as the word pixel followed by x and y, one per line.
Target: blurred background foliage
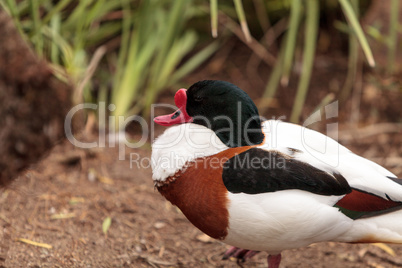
pixel 127 52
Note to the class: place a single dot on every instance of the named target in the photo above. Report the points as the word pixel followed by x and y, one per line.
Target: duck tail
pixel 384 228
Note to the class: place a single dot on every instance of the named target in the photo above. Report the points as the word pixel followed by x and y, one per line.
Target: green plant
pixel 312 15
pixel 389 40
pixel 352 60
pixel 307 12
pixel 150 54
pixel 77 38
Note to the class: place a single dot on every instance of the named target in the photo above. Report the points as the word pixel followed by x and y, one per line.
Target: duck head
pixel 220 106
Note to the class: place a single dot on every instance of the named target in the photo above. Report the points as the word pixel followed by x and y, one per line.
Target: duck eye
pixel 198 98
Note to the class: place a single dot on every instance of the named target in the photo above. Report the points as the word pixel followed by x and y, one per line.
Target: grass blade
pixel 11 7
pixel 310 41
pixel 242 18
pixel 175 20
pixel 55 23
pixel 133 77
pixel 56 9
pixel 262 15
pixel 193 62
pixel 180 48
pixel 290 45
pixel 214 17
pixel 352 60
pixel 38 41
pixel 355 25
pixel 124 46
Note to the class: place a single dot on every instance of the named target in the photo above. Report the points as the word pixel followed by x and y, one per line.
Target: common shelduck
pixel 268 185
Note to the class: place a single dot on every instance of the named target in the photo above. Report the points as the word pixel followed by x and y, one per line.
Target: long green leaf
pixel 310 41
pixel 124 46
pixel 354 23
pixel 352 60
pixel 193 62
pixel 214 17
pixel 290 45
pixel 38 41
pixel 173 24
pixel 133 78
pixel 242 18
pixel 55 28
pixel 56 9
pixel 96 37
pixel 11 7
pixel 180 48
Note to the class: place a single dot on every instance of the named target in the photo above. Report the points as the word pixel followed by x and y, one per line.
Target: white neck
pixel 179 145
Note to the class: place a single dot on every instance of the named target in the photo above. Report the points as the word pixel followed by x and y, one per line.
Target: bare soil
pixel 64 200
pixel 87 186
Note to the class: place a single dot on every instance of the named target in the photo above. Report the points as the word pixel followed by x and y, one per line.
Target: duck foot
pixel 239 253
pixel 274 261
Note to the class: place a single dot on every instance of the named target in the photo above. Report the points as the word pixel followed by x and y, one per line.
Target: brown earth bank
pixel 33 103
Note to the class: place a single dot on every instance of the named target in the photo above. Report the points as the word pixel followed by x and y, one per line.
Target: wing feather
pixel 358 204
pixel 325 153
pixel 260 171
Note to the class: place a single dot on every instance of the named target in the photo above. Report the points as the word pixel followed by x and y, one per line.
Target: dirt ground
pixel 62 202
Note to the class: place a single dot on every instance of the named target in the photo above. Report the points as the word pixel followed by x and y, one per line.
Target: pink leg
pixel 230 252
pixel 274 261
pixel 249 254
pixel 239 253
